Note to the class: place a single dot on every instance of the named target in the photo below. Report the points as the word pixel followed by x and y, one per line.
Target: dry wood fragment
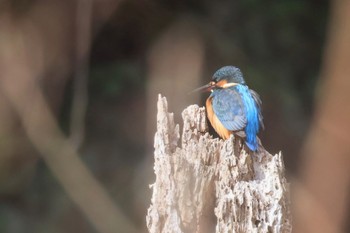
pixel 201 186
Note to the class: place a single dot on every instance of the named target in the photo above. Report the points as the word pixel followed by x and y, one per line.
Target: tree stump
pixel 202 186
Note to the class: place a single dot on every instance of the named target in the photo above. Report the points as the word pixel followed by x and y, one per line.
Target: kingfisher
pixel 233 108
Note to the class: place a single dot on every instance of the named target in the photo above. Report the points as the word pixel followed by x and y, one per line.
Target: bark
pixel 202 186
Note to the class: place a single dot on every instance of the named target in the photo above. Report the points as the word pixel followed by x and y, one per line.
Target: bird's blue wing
pixel 258 103
pixel 229 109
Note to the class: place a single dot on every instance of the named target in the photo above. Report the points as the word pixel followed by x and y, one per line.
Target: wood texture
pixel 202 186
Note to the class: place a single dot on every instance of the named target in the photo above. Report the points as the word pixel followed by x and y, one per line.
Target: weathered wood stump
pixel 202 186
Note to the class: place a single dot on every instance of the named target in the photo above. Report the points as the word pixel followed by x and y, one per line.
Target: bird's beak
pixel 207 87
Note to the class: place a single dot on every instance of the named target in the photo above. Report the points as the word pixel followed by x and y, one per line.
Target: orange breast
pixel 215 122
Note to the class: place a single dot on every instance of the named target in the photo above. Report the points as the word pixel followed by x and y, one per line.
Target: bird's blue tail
pixel 253 146
pixel 252 114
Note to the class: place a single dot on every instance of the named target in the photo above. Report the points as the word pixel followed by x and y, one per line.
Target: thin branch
pixel 19 86
pixel 80 91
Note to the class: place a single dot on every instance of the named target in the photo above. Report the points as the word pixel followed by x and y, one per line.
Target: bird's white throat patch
pixel 226 85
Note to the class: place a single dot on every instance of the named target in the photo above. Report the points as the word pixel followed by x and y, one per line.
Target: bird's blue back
pixel 238 109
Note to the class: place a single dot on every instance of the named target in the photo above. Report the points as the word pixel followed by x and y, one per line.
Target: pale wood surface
pixel 201 186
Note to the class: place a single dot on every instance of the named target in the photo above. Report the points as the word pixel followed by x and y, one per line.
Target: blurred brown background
pixel 79 85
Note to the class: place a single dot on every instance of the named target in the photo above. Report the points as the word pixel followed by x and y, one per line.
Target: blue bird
pixel 232 108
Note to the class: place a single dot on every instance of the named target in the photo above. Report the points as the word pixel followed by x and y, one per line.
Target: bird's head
pixel 227 76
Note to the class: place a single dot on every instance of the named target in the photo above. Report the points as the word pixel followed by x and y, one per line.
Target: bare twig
pixel 19 85
pixel 80 92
